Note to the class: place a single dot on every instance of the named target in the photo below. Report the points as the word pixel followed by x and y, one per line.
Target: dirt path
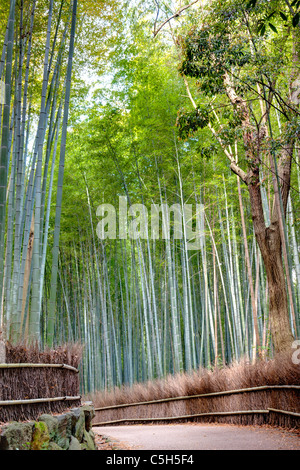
pixel 197 437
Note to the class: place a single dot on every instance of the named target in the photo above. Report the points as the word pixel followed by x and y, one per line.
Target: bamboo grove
pixel 143 307
pixel 36 67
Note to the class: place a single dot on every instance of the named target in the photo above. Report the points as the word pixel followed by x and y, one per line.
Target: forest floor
pixel 195 436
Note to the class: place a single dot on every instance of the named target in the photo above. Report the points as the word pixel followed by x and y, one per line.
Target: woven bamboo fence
pixel 254 405
pixel 29 389
pixel 264 392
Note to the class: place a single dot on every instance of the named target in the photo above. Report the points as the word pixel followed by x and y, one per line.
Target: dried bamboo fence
pixel 265 392
pixel 254 405
pixel 29 389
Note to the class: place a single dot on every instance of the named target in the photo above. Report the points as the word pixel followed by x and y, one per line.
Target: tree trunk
pixel 268 238
pixel 279 314
pixel 269 242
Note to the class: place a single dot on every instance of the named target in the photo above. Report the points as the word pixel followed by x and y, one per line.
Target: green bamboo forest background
pixel 92 106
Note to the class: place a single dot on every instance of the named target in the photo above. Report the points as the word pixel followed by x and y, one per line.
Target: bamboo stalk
pixel 172 418
pixel 4 154
pixel 29 365
pixel 38 400
pixel 35 307
pixel 285 412
pixel 55 248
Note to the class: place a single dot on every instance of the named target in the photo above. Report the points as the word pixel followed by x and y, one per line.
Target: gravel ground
pixel 195 436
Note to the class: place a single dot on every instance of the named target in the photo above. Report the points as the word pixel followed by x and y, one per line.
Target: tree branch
pixel 178 13
pixel 239 172
pixel 233 164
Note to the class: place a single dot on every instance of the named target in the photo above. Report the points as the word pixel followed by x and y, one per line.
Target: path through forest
pixel 195 436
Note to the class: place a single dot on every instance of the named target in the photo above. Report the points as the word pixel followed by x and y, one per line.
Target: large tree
pixel 245 59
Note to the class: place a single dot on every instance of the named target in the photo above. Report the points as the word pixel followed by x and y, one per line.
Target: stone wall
pixel 71 430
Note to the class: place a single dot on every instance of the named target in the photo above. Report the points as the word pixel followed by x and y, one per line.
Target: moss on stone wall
pixel 68 431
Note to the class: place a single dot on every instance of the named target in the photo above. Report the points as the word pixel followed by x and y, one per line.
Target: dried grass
pixel 70 354
pixel 31 383
pixel 278 371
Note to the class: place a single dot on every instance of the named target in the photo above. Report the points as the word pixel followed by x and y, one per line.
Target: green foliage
pixel 280 11
pixel 189 123
pixel 145 309
pixel 208 54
